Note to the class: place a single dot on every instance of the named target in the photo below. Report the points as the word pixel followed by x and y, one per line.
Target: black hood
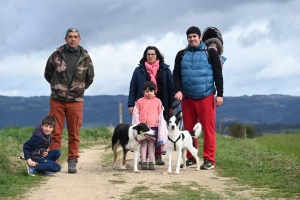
pixel 213 35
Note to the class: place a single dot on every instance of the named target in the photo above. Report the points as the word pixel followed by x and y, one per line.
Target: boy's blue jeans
pixel 48 163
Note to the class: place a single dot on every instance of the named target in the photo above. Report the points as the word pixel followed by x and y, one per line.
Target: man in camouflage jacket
pixel 70 71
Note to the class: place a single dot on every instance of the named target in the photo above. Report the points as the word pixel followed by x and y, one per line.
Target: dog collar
pixel 135 138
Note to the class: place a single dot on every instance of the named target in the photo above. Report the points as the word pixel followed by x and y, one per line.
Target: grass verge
pixel 269 163
pixel 14 179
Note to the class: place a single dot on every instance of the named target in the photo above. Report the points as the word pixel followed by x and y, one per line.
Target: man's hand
pixel 178 96
pixel 219 101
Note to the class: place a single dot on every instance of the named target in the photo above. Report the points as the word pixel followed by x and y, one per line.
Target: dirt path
pixel 95 180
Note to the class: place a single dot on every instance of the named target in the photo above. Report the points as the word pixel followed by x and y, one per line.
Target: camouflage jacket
pixel 55 74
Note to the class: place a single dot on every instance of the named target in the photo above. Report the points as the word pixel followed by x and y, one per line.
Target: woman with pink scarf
pixel 153 68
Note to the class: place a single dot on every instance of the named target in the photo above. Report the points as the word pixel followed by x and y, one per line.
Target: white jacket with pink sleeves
pixel 150 111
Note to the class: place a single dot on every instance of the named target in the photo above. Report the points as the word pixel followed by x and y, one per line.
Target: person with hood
pixel 197 77
pixel 212 38
pixel 152 67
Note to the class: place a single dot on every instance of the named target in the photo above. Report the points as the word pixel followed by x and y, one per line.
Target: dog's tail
pixel 197 130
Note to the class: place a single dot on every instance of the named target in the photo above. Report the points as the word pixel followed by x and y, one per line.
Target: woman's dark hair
pixel 149 85
pixel 49 120
pixel 159 55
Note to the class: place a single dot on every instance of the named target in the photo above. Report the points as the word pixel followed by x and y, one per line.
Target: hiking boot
pixel 159 161
pixel 30 170
pixel 207 165
pixel 189 163
pixel 144 166
pixel 72 165
pixel 151 166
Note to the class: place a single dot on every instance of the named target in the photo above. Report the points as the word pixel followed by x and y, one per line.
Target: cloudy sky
pixel 261 41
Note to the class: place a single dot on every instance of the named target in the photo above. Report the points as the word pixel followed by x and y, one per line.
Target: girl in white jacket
pixel 149 110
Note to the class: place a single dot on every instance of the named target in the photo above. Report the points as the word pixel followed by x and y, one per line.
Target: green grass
pixel 14 180
pixel 270 164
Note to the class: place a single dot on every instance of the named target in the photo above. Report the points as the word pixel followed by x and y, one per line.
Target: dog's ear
pixel 135 127
pixel 179 114
pixel 178 117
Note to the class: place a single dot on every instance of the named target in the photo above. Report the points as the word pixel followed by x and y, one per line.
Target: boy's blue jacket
pixel 37 144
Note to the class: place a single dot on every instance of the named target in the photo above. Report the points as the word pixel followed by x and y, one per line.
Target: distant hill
pixel 104 110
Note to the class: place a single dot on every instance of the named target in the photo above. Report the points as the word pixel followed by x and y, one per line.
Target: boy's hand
pixel 31 163
pixel 45 153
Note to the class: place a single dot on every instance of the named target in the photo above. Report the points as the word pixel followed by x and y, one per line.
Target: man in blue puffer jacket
pixel 197 77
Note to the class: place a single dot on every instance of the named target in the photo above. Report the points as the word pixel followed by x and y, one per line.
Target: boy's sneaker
pixel 30 170
pixel 159 161
pixel 72 165
pixel 189 163
pixel 207 165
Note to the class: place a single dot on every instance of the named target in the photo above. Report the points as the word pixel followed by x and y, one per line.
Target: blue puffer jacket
pixel 139 77
pixel 197 73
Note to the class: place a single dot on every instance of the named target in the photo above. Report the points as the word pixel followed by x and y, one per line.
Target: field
pixel 270 163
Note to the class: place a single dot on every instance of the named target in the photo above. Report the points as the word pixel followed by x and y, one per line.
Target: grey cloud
pixel 40 25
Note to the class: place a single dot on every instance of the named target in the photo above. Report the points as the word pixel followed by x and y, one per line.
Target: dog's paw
pixel 183 169
pixel 114 165
pixel 197 169
pixel 169 172
pixel 176 173
pixel 136 171
pixel 123 167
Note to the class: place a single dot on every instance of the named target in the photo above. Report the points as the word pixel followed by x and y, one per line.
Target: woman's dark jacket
pixel 140 76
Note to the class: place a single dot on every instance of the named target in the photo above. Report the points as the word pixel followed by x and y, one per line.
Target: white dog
pixel 181 141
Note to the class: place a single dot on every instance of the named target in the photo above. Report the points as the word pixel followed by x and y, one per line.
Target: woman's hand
pixel 130 110
pixel 171 111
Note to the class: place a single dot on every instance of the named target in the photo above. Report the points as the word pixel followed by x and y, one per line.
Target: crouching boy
pixel 36 153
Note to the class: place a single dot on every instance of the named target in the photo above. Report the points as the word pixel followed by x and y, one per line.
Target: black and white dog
pixel 181 141
pixel 129 137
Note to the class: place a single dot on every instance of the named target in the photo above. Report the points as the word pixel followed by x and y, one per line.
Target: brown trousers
pixel 72 112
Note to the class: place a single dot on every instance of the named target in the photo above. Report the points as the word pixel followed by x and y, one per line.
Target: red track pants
pixel 203 110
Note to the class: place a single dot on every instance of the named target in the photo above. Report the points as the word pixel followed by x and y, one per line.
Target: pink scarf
pixel 152 71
